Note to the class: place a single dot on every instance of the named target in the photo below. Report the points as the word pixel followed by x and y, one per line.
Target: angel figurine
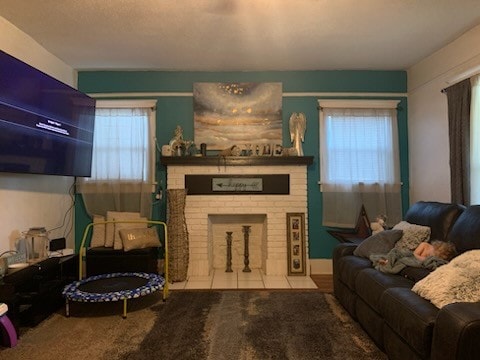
pixel 298 125
pixel 177 144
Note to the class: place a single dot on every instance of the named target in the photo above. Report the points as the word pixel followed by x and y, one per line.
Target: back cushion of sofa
pixel 465 233
pixel 440 217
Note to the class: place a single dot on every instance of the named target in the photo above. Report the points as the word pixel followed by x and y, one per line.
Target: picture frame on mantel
pixel 296 244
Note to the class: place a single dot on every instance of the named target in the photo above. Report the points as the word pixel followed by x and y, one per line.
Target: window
pixel 359 160
pixel 123 158
pixel 121 145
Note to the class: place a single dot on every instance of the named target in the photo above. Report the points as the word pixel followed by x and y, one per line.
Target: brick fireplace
pixel 210 216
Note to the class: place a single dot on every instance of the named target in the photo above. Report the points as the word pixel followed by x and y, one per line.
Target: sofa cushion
pixel 412 236
pixel 410 317
pixel 465 233
pixel 439 217
pixel 456 281
pixel 349 267
pixel 371 283
pixel 415 273
pixel 380 243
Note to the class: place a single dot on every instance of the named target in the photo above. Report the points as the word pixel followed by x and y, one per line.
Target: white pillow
pixel 110 228
pixel 456 281
pixel 412 236
pixel 98 234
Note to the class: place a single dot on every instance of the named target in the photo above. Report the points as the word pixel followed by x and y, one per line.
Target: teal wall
pixel 177 109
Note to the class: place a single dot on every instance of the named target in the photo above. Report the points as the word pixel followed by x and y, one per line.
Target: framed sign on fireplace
pixel 296 243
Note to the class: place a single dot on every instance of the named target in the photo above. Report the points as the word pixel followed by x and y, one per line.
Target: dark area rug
pixel 254 325
pixel 232 324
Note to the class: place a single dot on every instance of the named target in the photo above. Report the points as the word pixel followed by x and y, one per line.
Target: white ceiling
pixel 219 35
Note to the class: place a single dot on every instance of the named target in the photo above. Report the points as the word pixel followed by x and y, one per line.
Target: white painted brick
pixel 272 207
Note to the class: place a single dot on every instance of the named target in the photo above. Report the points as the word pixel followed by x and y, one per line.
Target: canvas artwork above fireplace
pixel 227 114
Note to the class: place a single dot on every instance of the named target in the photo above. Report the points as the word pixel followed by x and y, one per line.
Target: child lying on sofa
pixel 441 249
pixel 427 255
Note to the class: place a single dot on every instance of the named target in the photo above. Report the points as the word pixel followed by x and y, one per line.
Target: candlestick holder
pixel 229 252
pixel 246 236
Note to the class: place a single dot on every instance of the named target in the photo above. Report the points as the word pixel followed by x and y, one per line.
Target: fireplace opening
pixel 219 225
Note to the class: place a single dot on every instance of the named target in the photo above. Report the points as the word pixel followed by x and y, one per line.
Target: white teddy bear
pixel 379 224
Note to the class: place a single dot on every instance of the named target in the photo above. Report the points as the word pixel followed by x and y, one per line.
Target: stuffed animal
pixel 376 227
pixel 379 224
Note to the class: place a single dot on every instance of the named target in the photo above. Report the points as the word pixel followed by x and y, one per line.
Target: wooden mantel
pixel 236 160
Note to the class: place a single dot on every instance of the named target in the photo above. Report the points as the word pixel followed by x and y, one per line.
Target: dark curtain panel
pixel 459 97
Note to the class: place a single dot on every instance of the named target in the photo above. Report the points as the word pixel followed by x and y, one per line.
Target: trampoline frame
pixel 121 295
pixel 72 292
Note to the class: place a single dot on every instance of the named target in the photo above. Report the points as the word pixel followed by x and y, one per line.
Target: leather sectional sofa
pixel 401 323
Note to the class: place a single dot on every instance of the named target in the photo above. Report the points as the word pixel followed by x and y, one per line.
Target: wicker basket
pixel 178 250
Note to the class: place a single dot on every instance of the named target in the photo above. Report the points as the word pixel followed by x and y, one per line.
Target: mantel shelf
pixel 235 160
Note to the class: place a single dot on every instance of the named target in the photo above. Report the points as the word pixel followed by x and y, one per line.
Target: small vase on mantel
pixel 178 248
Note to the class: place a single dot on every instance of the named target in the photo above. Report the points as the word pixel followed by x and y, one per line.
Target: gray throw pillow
pixel 380 243
pixel 412 236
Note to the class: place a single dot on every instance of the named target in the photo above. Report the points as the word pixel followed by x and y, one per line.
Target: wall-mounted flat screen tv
pixel 46 126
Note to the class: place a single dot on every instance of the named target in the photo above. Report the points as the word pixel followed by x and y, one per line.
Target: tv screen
pixel 46 126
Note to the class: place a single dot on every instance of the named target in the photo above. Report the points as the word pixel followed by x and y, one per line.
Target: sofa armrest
pixel 456 334
pixel 341 250
pixel 344 249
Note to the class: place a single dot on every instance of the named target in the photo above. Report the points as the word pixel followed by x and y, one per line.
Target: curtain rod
pixel 463 76
pixel 466 74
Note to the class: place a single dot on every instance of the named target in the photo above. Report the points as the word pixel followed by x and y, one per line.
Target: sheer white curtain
pixel 475 141
pixel 359 161
pixel 123 159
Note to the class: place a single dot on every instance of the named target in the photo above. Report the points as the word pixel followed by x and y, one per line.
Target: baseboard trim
pixel 321 266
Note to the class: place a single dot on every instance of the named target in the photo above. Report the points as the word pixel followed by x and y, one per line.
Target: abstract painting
pixel 227 114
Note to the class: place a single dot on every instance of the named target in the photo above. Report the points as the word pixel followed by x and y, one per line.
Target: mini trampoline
pixel 119 285
pixel 112 287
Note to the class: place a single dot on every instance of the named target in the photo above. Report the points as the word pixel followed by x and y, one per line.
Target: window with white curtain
pixel 475 142
pixel 123 158
pixel 121 144
pixel 359 160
